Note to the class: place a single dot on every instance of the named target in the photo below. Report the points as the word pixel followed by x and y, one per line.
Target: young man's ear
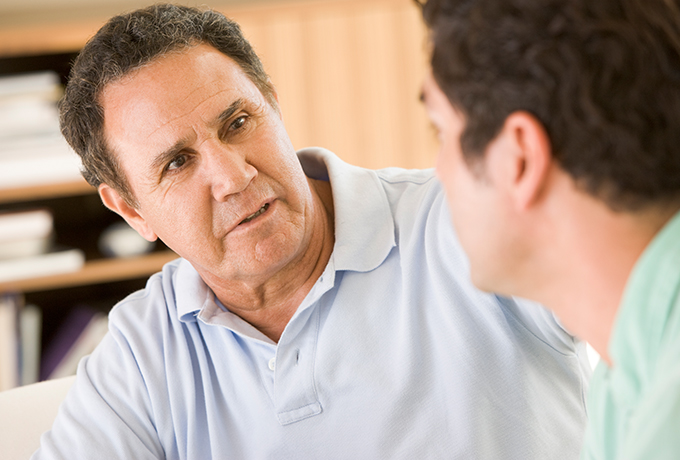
pixel 527 158
pixel 112 200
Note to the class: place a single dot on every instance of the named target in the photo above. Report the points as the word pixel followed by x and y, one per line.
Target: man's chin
pixel 484 282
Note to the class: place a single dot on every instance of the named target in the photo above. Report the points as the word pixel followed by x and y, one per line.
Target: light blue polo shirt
pixel 392 355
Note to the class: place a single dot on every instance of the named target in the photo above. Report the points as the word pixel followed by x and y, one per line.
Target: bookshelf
pixel 94 272
pixel 97 270
pixel 37 192
pixel 64 200
pixel 79 218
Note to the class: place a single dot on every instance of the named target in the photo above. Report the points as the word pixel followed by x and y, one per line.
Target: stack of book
pixel 9 342
pixel 20 329
pixel 26 249
pixel 21 359
pixel 78 336
pixel 34 153
pixel 32 149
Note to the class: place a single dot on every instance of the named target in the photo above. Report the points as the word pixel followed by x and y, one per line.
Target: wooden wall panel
pixel 348 74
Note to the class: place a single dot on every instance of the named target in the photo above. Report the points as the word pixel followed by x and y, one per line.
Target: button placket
pixel 295 396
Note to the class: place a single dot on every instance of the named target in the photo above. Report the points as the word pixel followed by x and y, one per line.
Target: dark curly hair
pixel 602 76
pixel 128 42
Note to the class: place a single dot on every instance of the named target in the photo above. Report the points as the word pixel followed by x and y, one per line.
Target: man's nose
pixel 228 171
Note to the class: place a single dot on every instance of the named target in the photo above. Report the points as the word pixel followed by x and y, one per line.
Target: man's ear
pixel 527 158
pixel 112 200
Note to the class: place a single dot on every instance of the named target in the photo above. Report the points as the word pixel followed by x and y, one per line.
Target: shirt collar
pixel 364 227
pixel 191 292
pixel 648 299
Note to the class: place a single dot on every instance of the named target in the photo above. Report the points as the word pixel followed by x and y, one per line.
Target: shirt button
pixel 272 364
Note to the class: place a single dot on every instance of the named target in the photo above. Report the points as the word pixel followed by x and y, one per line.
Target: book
pixel 28 104
pixel 25 247
pixel 27 116
pixel 25 233
pixel 42 83
pixel 30 330
pixel 85 344
pixel 78 335
pixel 51 263
pixel 38 160
pixel 32 149
pixel 9 341
pixel 22 224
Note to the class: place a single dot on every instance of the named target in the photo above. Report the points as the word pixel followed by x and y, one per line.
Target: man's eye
pixel 178 162
pixel 238 123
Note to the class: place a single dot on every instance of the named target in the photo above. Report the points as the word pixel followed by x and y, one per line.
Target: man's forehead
pixel 156 106
pixel 177 83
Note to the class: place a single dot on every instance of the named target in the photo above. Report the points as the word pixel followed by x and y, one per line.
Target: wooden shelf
pixel 37 192
pixel 94 272
pixel 58 37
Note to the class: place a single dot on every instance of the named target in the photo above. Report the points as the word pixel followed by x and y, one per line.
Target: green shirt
pixel 634 407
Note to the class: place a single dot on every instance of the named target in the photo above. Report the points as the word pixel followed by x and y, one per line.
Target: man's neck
pixel 270 304
pixel 589 252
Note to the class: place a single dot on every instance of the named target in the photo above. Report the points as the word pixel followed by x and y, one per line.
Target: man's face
pixel 210 164
pixel 472 199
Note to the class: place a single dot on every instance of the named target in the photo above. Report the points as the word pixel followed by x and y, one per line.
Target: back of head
pixel 128 42
pixel 602 76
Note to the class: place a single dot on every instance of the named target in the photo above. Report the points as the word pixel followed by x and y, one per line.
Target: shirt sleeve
pixel 107 414
pixel 542 323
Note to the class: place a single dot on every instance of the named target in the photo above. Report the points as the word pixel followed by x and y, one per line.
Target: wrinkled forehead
pixel 167 67
pixel 174 85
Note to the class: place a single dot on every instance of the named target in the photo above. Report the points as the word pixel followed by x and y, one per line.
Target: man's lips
pixel 236 225
pixel 255 214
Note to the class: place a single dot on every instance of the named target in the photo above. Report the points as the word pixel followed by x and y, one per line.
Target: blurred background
pixel 347 71
pixel 348 75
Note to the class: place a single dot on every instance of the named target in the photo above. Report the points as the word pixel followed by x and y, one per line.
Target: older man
pixel 319 310
pixel 559 131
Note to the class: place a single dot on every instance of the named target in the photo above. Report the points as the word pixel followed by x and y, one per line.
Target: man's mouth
pixel 255 214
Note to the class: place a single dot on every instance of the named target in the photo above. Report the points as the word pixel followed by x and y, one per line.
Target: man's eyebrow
pixel 167 155
pixel 237 104
pixel 164 157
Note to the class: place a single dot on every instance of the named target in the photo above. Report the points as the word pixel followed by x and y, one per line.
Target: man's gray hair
pixel 128 42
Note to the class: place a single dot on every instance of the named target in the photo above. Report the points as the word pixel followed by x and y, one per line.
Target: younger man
pixel 558 122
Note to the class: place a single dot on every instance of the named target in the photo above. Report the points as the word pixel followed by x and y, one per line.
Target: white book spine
pixel 24 225
pixel 41 265
pixel 30 327
pixel 9 343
